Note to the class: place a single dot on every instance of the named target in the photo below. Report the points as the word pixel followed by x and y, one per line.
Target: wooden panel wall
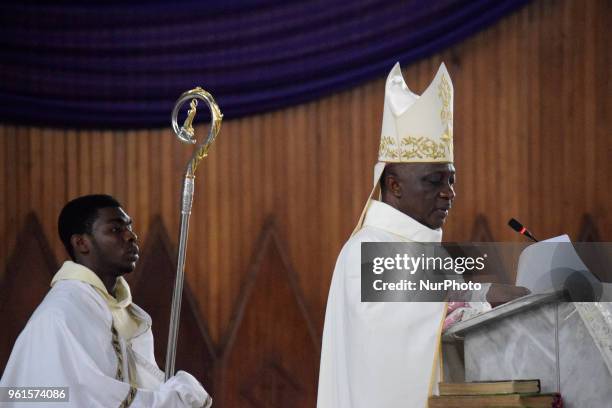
pixel 532 140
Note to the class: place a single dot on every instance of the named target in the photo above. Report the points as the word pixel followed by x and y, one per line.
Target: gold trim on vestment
pixel 129 398
pixel 438 355
pixel 119 375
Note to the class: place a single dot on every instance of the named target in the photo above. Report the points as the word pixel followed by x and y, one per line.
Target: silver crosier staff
pixel 186 135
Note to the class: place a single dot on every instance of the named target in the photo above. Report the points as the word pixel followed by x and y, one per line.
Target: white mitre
pixel 415 129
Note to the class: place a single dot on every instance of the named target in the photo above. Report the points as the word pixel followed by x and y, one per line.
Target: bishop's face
pixel 424 191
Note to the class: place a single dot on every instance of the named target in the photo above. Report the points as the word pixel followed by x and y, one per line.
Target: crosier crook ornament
pixel 186 135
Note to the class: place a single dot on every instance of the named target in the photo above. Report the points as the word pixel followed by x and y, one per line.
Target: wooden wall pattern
pixel 32 259
pixel 533 140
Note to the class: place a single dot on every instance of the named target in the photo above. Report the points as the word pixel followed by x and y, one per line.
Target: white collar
pixel 387 218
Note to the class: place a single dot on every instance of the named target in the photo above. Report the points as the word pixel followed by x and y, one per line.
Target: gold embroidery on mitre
pixel 425 148
pixel 444 92
pixel 388 148
pixel 417 147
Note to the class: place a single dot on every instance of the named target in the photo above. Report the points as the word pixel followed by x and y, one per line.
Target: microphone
pixel 518 227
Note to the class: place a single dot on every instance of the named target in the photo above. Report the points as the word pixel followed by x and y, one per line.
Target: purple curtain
pixel 117 65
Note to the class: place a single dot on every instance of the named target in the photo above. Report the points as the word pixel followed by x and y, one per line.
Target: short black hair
pixel 79 215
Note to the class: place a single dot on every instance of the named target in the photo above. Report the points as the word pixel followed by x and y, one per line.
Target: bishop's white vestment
pixel 378 355
pixel 102 353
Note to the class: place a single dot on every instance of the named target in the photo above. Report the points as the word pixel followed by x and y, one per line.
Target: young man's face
pixel 113 242
pixel 427 191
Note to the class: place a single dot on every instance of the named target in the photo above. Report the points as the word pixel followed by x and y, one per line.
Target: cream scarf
pixel 124 320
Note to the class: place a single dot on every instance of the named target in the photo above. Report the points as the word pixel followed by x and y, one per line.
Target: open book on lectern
pixel 554 265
